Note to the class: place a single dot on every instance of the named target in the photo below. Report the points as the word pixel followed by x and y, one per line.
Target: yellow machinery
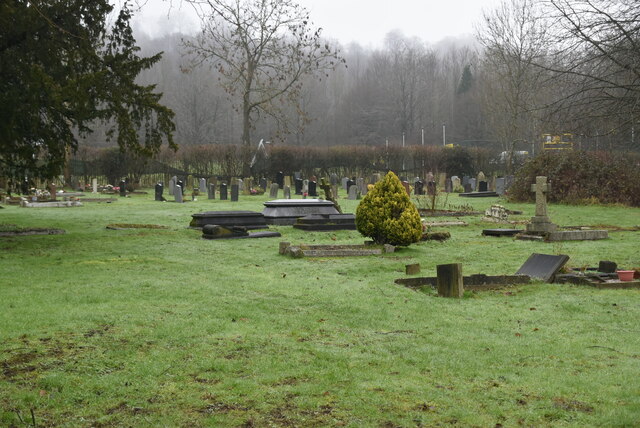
pixel 557 142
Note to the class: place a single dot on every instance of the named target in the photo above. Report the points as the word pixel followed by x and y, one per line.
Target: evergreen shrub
pixel 387 215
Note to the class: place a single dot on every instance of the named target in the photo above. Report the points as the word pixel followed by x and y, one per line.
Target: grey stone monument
pixel 178 194
pixel 287 192
pixel 203 186
pixel 540 223
pixel 235 190
pixel 273 191
pixel 353 192
pixel 211 194
pixel 500 186
pixel 223 191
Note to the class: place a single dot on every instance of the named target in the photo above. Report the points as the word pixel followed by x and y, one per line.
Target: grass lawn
pixel 158 327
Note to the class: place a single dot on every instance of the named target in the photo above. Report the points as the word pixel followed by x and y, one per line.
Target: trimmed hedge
pixel 579 177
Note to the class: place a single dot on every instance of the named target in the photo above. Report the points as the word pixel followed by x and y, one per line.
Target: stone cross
pixel 541 187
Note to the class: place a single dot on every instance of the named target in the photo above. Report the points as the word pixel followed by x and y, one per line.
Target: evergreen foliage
pixel 387 215
pixel 62 67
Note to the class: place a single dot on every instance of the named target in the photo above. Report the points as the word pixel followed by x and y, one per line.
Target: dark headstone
pixel 419 187
pixel 298 185
pixel 313 189
pixel 543 266
pixel 482 186
pixel 181 184
pixel 248 219
pixel 211 194
pixel 223 192
pixel 123 188
pixel 280 179
pixel 324 222
pixel 607 267
pixel 235 190
pixel 263 184
pixel 159 190
pixel 501 232
pixel 467 187
pixel 448 186
pixel 431 187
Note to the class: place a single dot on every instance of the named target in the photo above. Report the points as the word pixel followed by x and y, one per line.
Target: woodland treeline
pixel 533 68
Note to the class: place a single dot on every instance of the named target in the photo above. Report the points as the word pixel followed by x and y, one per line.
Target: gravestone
pixel 305 187
pixel 448 188
pixel 280 179
pixel 500 187
pixel 52 190
pixel 182 186
pixel 123 188
pixel 362 187
pixel 247 219
pixel 442 180
pixel 263 184
pixel 203 186
pixel 345 183
pixel 313 189
pixel 287 211
pixel 178 194
pixel 172 185
pixel 298 186
pixel 287 192
pixel 247 185
pixel 407 188
pixel 480 177
pixel 94 185
pixel 543 266
pixel 223 191
pixel 455 183
pixel 333 179
pixel 465 180
pixel 235 190
pixel 353 192
pixel 431 188
pixel 273 191
pixel 449 282
pixel 482 186
pixel 297 175
pixel 212 191
pixel 472 182
pixel 159 190
pixel 468 188
pixel 418 187
pixel 541 223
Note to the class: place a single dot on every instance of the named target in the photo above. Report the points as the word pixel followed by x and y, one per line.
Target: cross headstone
pixel 178 194
pixel 540 223
pixel 223 191
pixel 211 194
pixel 235 190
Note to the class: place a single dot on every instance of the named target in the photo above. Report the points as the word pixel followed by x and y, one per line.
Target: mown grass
pixel 157 327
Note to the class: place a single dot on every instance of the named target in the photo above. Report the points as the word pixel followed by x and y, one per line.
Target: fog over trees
pixel 534 68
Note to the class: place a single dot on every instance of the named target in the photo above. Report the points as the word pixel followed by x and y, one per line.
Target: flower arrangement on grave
pixel 387 215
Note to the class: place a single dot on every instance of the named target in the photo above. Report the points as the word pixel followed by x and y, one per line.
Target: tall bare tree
pixel 262 49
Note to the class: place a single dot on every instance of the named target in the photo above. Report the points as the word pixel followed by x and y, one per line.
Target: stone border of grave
pixel 126 226
pixel 475 282
pixel 445 213
pixel 303 250
pixel 32 231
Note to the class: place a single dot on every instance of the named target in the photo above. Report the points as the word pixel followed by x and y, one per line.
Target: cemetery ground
pixel 158 327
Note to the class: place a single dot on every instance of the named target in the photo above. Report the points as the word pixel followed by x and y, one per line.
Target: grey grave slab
pixel 326 222
pixel 214 231
pixel 287 211
pixel 247 219
pixel 501 232
pixel 543 266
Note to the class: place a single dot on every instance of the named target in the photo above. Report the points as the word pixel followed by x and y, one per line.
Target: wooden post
pixel 450 280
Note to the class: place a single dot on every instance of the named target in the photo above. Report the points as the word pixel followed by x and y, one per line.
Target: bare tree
pixel 262 49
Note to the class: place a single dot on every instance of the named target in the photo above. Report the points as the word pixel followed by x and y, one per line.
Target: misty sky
pixel 363 21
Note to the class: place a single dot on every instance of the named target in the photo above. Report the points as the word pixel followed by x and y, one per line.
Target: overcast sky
pixel 363 21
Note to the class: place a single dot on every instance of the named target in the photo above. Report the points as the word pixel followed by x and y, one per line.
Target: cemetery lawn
pixel 158 327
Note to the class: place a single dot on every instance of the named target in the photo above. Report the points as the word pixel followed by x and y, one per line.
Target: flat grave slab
pixel 479 195
pixel 287 211
pixel 501 232
pixel 214 231
pixel 326 222
pixel 247 219
pixel 543 266
pixel 303 250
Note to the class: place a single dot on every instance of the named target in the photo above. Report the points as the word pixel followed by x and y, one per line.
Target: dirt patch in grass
pixel 571 405
pixel 14 230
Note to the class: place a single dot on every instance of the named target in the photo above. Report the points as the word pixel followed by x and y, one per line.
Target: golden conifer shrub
pixel 387 215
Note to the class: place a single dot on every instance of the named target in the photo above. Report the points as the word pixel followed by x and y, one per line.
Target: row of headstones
pixel 455 184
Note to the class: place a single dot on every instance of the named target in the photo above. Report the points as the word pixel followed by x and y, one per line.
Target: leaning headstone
pixel 159 189
pixel 353 192
pixel 543 266
pixel 273 192
pixel 223 191
pixel 203 186
pixel 235 190
pixel 178 194
pixel 94 185
pixel 287 192
pixel 500 187
pixel 211 194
